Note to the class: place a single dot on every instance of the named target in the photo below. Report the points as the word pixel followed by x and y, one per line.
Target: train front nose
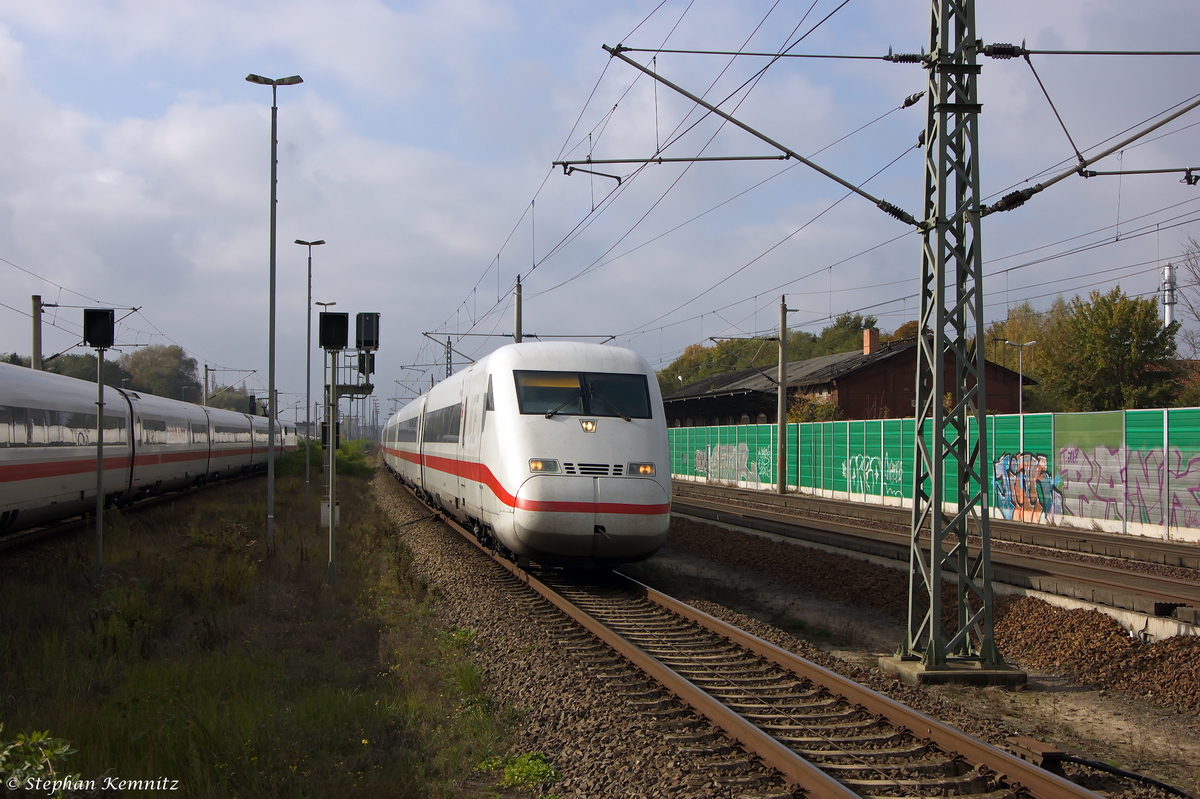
pixel 580 518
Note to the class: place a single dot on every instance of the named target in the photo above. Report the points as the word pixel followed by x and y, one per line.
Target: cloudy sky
pixel 135 169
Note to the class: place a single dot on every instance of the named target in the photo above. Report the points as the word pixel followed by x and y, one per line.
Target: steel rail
pixel 1155 588
pixel 795 769
pixel 977 753
pixel 1074 539
pixel 800 773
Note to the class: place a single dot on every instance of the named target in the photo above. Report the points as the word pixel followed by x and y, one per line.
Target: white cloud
pixel 136 168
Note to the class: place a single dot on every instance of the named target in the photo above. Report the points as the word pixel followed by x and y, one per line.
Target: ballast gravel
pixel 607 735
pixel 580 718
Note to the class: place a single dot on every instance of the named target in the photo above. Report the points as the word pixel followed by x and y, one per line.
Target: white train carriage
pixel 151 444
pixel 170 443
pixel 48 446
pixel 556 450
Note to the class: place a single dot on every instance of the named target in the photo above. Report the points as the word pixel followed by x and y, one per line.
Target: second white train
pixel 553 451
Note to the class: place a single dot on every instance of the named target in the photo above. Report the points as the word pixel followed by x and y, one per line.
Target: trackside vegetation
pixel 226 670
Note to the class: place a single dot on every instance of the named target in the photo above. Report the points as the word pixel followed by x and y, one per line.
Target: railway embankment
pixel 205 661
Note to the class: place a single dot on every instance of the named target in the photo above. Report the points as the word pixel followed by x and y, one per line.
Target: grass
pixel 205 659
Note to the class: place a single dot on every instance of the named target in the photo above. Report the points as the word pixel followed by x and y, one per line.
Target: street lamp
pixel 308 362
pixel 290 81
pixel 1020 373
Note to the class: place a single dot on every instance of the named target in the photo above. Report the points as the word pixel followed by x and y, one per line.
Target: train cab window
pixel 618 395
pixel 549 392
pixel 583 394
pixel 491 403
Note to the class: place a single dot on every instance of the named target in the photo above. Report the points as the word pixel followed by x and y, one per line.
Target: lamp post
pixel 274 84
pixel 308 362
pixel 1020 373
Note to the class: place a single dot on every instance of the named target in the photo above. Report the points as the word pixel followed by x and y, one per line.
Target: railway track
pixel 1071 539
pixel 1074 563
pixel 825 735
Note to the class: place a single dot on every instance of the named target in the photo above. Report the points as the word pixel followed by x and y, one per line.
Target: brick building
pixel 878 382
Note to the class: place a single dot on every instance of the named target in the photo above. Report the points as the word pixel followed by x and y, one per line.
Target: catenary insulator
pixel 1015 200
pixel 904 58
pixel 896 211
pixel 1003 50
pixel 912 99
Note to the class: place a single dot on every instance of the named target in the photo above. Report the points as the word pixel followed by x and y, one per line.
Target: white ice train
pixel 151 444
pixel 553 451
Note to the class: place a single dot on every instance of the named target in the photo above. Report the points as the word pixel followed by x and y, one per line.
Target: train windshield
pixel 583 394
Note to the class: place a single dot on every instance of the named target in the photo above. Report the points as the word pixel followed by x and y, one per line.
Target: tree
pixel 807 408
pixel 845 334
pixel 1110 352
pixel 163 370
pixel 728 355
pixel 234 398
pixel 905 331
pixel 1187 296
pixel 83 367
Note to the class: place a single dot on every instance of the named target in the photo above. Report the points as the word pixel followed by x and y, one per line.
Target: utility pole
pixel 35 358
pixel 781 408
pixel 516 313
pixel 945 437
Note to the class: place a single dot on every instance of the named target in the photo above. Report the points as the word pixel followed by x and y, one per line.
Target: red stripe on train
pixel 481 474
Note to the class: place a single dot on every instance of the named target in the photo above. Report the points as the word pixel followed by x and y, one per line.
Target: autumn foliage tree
pixel 1109 352
pixel 164 370
pixel 699 361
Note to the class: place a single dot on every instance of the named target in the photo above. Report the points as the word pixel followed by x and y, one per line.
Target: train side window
pixel 115 432
pixel 81 428
pixel 154 431
pixel 38 430
pixel 442 426
pixel 20 427
pixel 491 403
pixel 6 424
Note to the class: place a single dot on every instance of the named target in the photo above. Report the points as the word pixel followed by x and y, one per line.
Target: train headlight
pixel 543 466
pixel 588 425
pixel 641 469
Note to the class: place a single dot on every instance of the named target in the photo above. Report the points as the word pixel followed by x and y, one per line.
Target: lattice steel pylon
pixel 947 445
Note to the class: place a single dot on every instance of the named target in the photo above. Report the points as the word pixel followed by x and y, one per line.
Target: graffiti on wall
pixel 766 464
pixel 868 474
pixel 1094 481
pixel 893 476
pixel 1098 483
pixel 726 462
pixel 1102 479
pixel 862 474
pixel 1026 490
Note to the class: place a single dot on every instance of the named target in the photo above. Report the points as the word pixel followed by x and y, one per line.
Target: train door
pixel 462 469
